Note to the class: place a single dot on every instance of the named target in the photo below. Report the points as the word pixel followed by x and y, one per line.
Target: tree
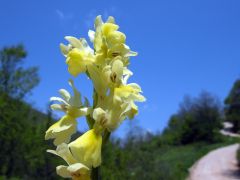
pixel 23 149
pixel 198 119
pixel 232 109
pixel 16 81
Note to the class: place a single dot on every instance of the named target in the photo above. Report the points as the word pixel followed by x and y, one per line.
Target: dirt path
pixel 218 164
pixel 227 130
pixel 227 133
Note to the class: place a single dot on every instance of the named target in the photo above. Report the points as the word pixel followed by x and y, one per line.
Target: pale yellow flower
pixel 121 50
pixel 62 130
pixel 112 115
pixel 87 148
pixel 129 92
pixel 71 105
pixel 108 28
pixel 100 85
pixel 131 111
pixel 113 73
pixel 119 105
pixel 77 61
pixel 74 170
pixel 102 30
pixel 109 42
pixel 79 55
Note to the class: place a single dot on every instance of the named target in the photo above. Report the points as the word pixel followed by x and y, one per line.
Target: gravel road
pixel 219 164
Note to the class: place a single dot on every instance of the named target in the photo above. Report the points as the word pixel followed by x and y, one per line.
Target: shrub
pixel 198 119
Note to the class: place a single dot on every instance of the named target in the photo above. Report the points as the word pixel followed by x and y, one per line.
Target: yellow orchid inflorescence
pixel 113 98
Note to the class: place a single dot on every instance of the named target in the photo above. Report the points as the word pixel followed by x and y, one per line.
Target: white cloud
pixel 60 14
pixel 63 16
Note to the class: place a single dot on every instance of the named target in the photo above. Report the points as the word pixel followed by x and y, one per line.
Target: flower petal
pixel 77 61
pixel 98 113
pixel 75 100
pixel 63 171
pixel 59 100
pixel 64 152
pixel 111 20
pixel 96 76
pixel 57 107
pixel 64 49
pixel 126 73
pixel 117 67
pixel 131 53
pixel 115 37
pixel 78 168
pixel 107 28
pixel 86 47
pixel 65 94
pixel 83 111
pixel 87 148
pixel 74 41
pixel 62 130
pixel 98 21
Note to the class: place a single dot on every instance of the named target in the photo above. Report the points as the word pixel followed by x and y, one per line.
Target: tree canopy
pixel 22 153
pixel 198 119
pixel 232 110
pixel 15 80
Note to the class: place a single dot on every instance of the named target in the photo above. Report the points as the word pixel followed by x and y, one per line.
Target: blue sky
pixel 184 47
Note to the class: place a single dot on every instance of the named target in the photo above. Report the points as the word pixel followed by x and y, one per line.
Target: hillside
pixel 153 159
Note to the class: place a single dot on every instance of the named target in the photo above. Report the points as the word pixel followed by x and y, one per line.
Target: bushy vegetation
pixel 198 119
pixel 23 150
pixel 232 110
pixel 153 159
pixel 22 153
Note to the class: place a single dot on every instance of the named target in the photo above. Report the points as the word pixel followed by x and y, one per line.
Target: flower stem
pixel 106 136
pixel 95 173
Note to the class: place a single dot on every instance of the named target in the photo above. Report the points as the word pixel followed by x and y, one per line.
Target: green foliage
pixel 234 95
pixel 232 110
pixel 14 79
pixel 198 120
pixel 23 149
pixel 152 159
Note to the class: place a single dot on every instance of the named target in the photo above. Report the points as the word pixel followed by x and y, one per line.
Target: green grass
pixel 180 158
pixel 153 160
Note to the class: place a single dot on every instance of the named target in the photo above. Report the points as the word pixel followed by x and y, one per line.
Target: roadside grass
pixel 176 160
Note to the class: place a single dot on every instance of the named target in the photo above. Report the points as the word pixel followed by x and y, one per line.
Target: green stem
pixel 95 173
pixel 106 136
pixel 90 121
